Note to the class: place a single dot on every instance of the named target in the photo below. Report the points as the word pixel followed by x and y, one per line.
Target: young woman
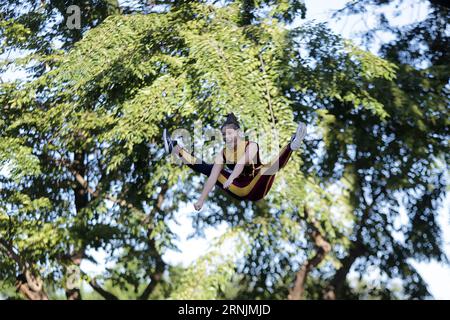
pixel 237 168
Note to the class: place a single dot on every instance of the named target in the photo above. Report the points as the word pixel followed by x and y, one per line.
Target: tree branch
pixel 105 294
pixel 29 285
pixel 156 277
pixel 336 286
pixel 95 193
pixel 9 251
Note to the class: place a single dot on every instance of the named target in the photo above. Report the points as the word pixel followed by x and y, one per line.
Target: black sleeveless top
pixel 250 168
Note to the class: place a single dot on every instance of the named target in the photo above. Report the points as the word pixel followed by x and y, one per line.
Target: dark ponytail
pixel 231 122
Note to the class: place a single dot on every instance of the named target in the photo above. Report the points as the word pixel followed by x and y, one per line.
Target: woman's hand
pixel 199 204
pixel 228 182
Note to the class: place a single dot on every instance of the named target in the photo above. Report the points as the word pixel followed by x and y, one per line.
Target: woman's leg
pixel 278 162
pixel 193 162
pixel 269 170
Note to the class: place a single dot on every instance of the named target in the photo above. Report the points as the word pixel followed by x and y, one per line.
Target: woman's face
pixel 230 135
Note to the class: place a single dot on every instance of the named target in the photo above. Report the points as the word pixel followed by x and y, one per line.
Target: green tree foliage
pixel 81 152
pixel 400 160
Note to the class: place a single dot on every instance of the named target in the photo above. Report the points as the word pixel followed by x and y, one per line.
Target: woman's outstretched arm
pixel 249 154
pixel 212 179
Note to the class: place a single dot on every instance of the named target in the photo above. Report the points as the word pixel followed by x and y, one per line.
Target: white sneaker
pixel 300 134
pixel 168 143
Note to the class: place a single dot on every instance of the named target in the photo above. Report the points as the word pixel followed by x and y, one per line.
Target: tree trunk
pixel 335 289
pixel 156 276
pixel 323 247
pixel 81 202
pixel 73 281
pixel 31 287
